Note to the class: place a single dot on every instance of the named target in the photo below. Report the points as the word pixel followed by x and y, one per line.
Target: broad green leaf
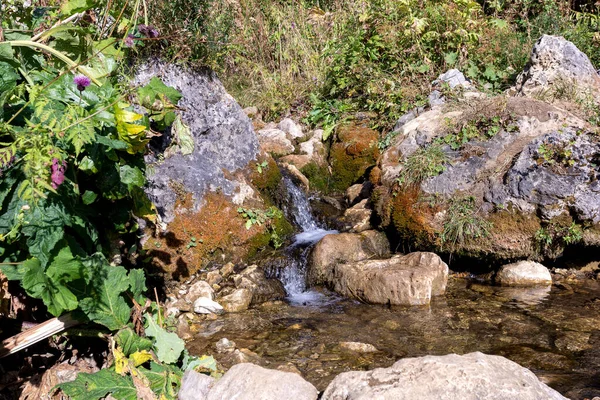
pixel 88 197
pixel 130 342
pixel 16 272
pixel 111 143
pixel 203 364
pixel 71 7
pixel 168 345
pixel 107 306
pixel 137 284
pixel 99 385
pixel 129 132
pixel 164 380
pixel 7 55
pixel 64 267
pixel 56 296
pixel 155 90
pixel 132 176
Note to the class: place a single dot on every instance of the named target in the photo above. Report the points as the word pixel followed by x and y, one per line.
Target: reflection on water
pixel 554 333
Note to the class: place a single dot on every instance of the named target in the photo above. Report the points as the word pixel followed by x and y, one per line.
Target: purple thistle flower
pixel 58 173
pixel 82 82
pixel 128 42
pixel 148 30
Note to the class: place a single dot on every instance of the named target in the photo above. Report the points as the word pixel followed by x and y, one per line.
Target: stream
pixel 554 331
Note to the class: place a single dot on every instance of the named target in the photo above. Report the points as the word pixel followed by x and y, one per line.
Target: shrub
pixel 422 164
pixel 462 224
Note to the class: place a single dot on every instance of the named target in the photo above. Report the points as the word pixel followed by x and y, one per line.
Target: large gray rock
pixel 555 59
pixel 195 386
pixel 524 273
pixel 408 280
pixel 224 139
pixel 251 382
pixel 342 248
pixel 473 376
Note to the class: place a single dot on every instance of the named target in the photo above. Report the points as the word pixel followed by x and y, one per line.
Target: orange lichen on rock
pixel 194 238
pixel 411 218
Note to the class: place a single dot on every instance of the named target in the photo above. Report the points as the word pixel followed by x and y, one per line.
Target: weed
pixel 462 224
pixel 422 164
pixel 555 155
pixel 552 237
pixel 261 166
pixel 326 113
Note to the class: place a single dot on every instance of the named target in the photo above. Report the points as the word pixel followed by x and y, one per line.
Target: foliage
pixel 462 224
pixel 327 114
pixel 554 236
pixel 270 217
pixel 422 164
pixel 478 127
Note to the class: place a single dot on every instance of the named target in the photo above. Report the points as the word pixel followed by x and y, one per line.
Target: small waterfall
pixel 293 274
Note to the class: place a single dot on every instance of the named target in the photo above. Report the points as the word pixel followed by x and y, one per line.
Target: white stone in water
pixel 205 305
pixel 523 273
pixel 358 347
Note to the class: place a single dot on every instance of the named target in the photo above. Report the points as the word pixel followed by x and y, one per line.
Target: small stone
pixel 291 128
pixel 275 141
pixel 172 312
pixel 358 347
pixel 251 111
pixel 227 270
pixel 214 278
pixel 200 289
pixel 225 346
pixel 183 329
pixel 204 305
pixel 289 367
pixel 237 301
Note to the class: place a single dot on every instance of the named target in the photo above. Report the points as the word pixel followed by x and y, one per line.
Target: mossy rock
pixel 318 176
pixel 267 180
pixel 352 154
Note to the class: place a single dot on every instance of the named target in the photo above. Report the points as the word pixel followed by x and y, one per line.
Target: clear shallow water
pixel 555 333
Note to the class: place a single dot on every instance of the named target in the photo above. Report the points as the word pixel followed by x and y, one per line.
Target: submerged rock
pixel 358 347
pixel 412 279
pixel 524 273
pixel 251 382
pixel 452 377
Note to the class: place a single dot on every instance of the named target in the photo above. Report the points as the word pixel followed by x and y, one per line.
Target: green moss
pixel 318 177
pixel 268 179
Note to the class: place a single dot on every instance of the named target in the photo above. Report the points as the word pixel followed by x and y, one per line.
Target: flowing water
pixel 555 331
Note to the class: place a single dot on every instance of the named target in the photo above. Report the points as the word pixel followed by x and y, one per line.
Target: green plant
pixel 554 236
pixel 480 127
pixel 556 155
pixel 327 114
pixel 462 224
pixel 422 164
pixel 261 166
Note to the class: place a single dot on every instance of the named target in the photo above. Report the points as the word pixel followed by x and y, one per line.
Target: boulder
pixel 251 382
pixel 452 377
pixel 292 130
pixel 408 280
pixel 275 141
pixel 524 273
pixel 358 217
pixel 237 301
pixel 556 61
pixel 223 139
pixel 341 248
pixel 253 279
pixel 195 386
pixel 205 305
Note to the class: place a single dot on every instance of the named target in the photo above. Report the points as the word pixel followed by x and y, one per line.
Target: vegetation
pixel 71 156
pixel 553 237
pixel 422 164
pixel 462 224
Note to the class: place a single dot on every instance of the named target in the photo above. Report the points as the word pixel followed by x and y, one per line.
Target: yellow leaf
pixel 121 362
pixel 140 357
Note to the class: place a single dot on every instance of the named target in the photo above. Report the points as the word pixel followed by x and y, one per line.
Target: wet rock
pixel 237 301
pixel 205 305
pixel 297 176
pixel 412 279
pixel 293 130
pixel 251 382
pixel 523 273
pixel 224 139
pixel 358 217
pixel 263 290
pixel 275 141
pixel 554 60
pixel 200 289
pixel 195 386
pixel 358 347
pixel 573 341
pixel 451 377
pixel 225 345
pixel 341 248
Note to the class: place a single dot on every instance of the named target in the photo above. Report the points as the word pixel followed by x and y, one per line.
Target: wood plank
pixel 39 332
